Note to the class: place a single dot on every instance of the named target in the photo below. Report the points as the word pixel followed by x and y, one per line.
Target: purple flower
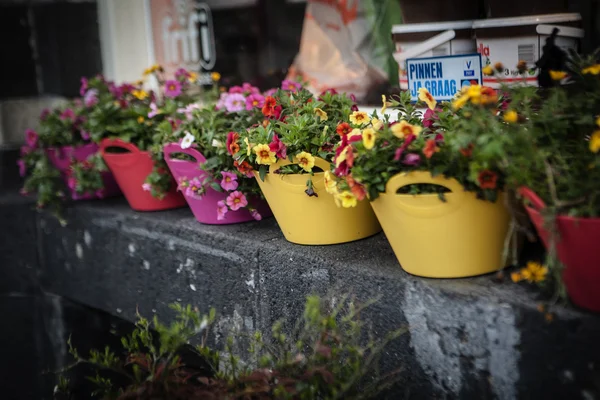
pixel 255 100
pixel 22 167
pixel 235 102
pixel 44 114
pixel 154 110
pixel 354 107
pixel 172 88
pixel 430 117
pixel 290 85
pixel 99 193
pixel 84 86
pixel 126 88
pixel 68 114
pixel 25 150
pixel 255 214
pixel 114 90
pixel 221 210
pixel 412 159
pixel 72 183
pixel 85 135
pixel 229 181
pixel 181 74
pixel 271 92
pixel 236 89
pixel 91 98
pixel 31 138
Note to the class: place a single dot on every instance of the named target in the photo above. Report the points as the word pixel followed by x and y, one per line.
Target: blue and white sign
pixel 443 76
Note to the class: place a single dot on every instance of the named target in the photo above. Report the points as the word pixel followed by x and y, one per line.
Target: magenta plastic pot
pixel 61 158
pixel 205 207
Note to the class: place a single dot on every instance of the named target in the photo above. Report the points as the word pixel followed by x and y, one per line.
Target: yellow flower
pixel 248 146
pixel 305 160
pixel 347 199
pixel 516 277
pixel 359 118
pixel 460 102
pixel 403 129
pixel 368 137
pixel 140 94
pixel 152 69
pixel 139 82
pixel 355 132
pixel 488 70
pixel 264 155
pixel 330 183
pixel 342 156
pixel 511 116
pixel 140 119
pixel 595 142
pixel 425 96
pixel 594 70
pixel 598 121
pixel 386 104
pixel 376 124
pixel 215 76
pixel 321 114
pixel 557 75
pixel 193 77
pixel 534 272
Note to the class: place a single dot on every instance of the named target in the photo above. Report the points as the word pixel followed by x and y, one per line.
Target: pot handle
pixel 530 195
pixel 171 148
pixel 116 142
pixel 317 183
pixel 120 160
pixel 410 178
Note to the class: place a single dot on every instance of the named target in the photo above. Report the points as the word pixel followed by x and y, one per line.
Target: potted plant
pixel 130 115
pixel 60 159
pixel 291 154
pixel 441 209
pixel 218 189
pixel 551 145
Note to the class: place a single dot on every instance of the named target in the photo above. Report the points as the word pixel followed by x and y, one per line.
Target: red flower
pixel 277 112
pixel 487 179
pixel 244 168
pixel 467 152
pixel 407 141
pixel 356 188
pixel 277 147
pixel 268 109
pixel 232 144
pixel 343 129
pixel 430 148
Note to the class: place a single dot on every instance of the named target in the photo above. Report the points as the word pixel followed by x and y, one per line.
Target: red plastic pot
pixel 205 207
pixel 61 158
pixel 576 249
pixel 130 171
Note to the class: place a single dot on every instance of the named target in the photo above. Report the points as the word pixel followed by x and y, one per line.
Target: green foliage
pixel 326 354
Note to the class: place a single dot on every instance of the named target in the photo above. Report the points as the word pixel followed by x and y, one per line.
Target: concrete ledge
pixel 467 338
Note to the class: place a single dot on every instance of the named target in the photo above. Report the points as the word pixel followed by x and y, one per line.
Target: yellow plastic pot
pixel 314 220
pixel 463 236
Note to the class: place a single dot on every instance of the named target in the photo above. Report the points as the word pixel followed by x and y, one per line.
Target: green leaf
pixel 262 172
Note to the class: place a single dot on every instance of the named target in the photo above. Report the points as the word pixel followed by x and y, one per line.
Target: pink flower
pixel 229 181
pixel 236 89
pixel 172 88
pixel 255 214
pixel 72 183
pixel 154 110
pixel 430 117
pixel 439 138
pixel 85 135
pixel 412 159
pixel 188 110
pixel 221 103
pixel 91 98
pixel 126 88
pixel 31 138
pixel 181 74
pixel 255 100
pixel 146 187
pixel 221 210
pixel 99 193
pixel 278 147
pixel 235 102
pixel 271 92
pixel 22 167
pixel 84 86
pixel 248 88
pixel 194 189
pixel 44 114
pixel 330 90
pixel 409 139
pixel 68 114
pixel 236 200
pixel 290 85
pixel 25 150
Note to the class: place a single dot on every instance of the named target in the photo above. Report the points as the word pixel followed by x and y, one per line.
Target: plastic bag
pixel 346 45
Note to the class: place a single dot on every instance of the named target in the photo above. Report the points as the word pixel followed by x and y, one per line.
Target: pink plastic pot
pixel 61 158
pixel 575 248
pixel 130 170
pixel 205 207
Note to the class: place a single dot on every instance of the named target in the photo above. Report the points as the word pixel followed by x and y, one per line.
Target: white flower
pixel 217 143
pixel 146 187
pixel 187 140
